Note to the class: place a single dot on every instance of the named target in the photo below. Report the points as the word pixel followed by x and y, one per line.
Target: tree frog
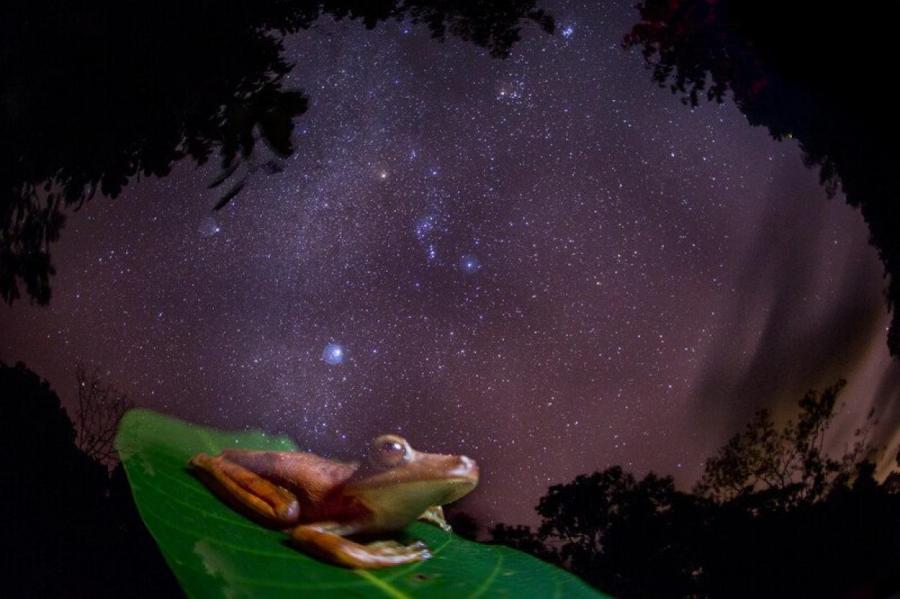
pixel 319 502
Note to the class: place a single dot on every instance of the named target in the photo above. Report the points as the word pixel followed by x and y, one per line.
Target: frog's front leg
pixel 435 515
pixel 326 541
pixel 238 485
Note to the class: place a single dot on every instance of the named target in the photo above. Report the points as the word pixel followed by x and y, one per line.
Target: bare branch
pixel 100 408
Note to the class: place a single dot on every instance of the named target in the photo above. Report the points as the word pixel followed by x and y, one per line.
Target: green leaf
pixel 216 552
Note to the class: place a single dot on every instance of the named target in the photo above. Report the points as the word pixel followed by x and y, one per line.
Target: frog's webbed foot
pixel 435 515
pixel 247 490
pixel 324 540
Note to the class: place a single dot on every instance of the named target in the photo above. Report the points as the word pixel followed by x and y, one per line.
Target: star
pixel 469 264
pixel 333 354
pixel 209 227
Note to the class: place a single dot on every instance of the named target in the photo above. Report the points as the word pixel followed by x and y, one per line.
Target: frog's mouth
pixel 462 479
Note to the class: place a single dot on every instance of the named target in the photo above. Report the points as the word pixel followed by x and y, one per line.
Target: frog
pixel 321 502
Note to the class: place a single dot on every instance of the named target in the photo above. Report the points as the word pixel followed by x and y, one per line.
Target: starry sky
pixel 545 262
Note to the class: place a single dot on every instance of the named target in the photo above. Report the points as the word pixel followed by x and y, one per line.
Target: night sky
pixel 546 262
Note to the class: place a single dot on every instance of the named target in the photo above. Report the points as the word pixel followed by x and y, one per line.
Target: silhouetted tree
pixel 462 523
pixel 619 533
pixel 68 529
pixel 892 482
pixel 773 515
pixel 52 491
pixel 95 95
pixel 789 465
pixel 815 72
pixel 100 408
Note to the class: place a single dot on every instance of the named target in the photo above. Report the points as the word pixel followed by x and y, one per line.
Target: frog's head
pixel 398 483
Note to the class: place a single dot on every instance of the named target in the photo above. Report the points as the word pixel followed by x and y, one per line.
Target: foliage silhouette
pixel 790 464
pixel 100 408
pixel 811 72
pixel 70 529
pixel 773 515
pixel 462 523
pixel 94 96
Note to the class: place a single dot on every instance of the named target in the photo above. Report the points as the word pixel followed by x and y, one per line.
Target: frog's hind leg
pixel 435 515
pixel 326 541
pixel 263 499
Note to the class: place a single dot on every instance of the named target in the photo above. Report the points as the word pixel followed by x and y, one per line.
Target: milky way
pixel 545 262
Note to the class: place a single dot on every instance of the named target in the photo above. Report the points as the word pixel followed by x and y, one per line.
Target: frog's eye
pixel 389 450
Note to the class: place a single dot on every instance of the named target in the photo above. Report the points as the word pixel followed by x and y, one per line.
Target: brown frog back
pixel 311 478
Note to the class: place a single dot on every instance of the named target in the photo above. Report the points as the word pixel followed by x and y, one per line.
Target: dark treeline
pixel 70 526
pixel 774 515
pixel 811 71
pixel 94 95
